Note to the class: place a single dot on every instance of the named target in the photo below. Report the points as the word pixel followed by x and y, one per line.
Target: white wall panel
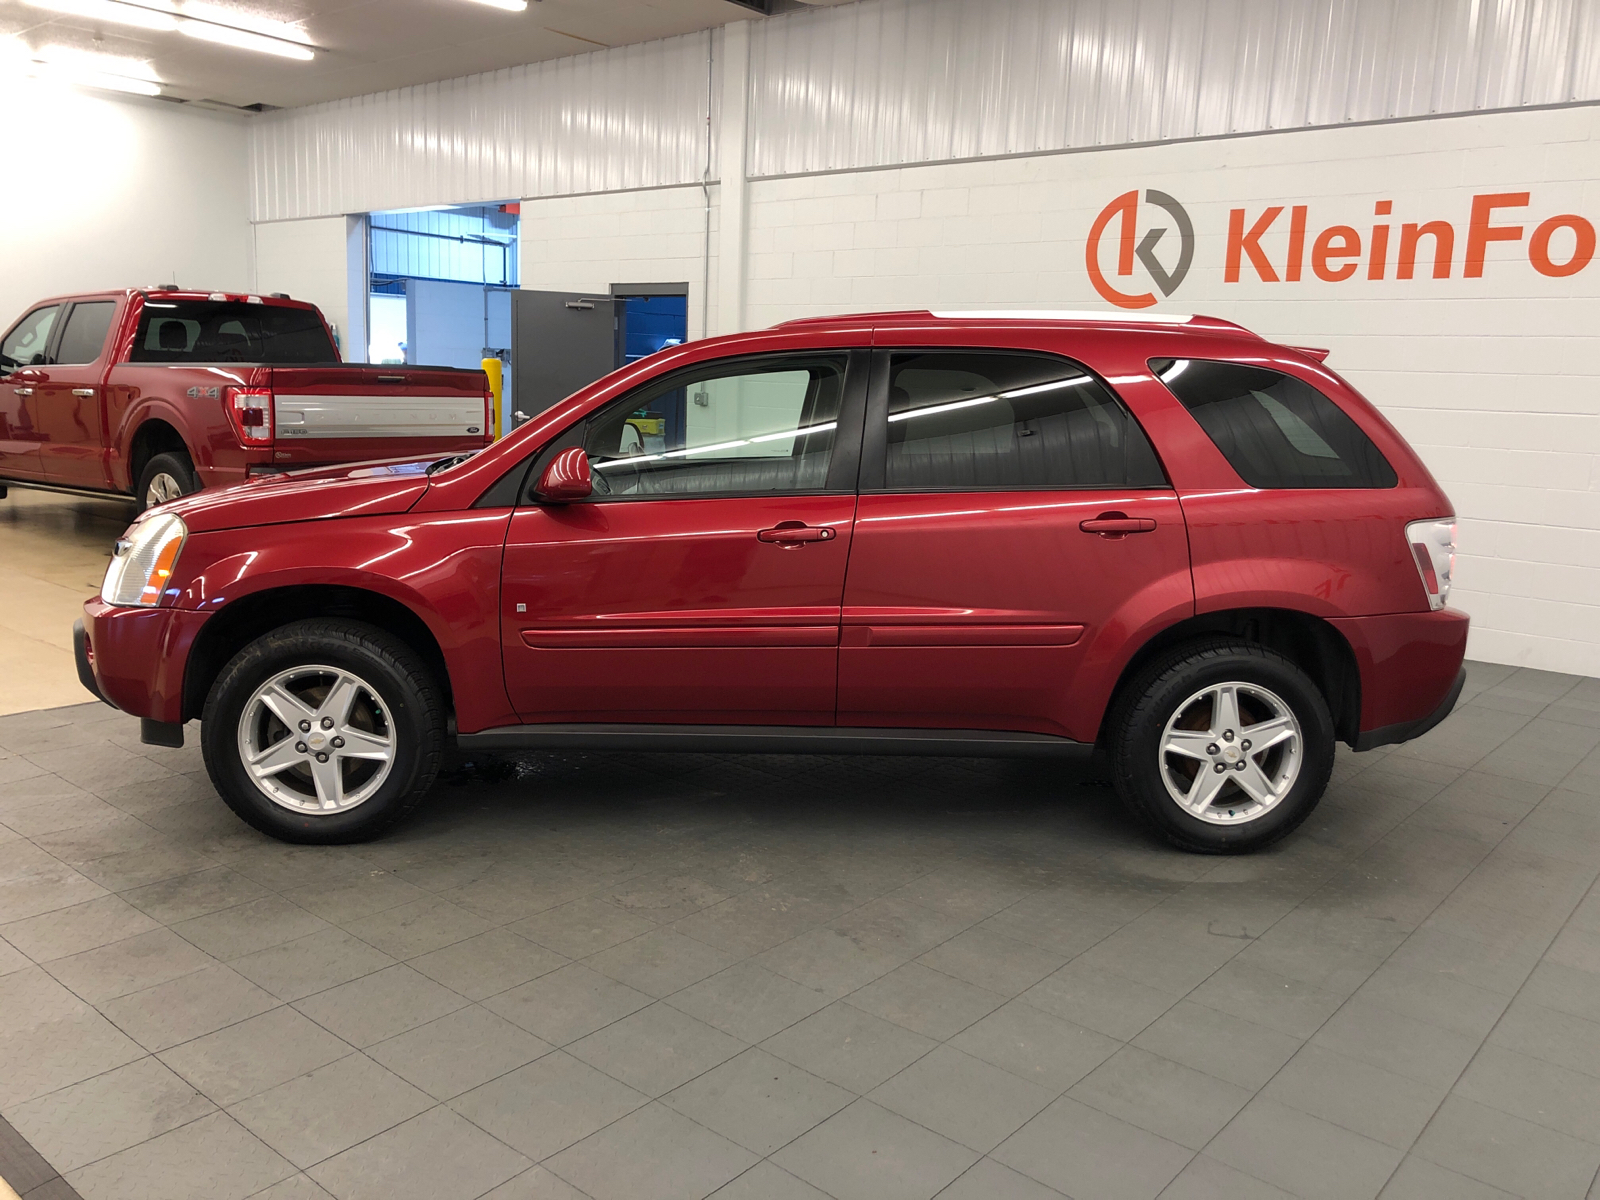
pixel 135 224
pixel 631 117
pixel 889 82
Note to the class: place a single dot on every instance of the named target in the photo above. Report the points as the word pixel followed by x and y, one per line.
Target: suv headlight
pixel 143 561
pixel 1433 549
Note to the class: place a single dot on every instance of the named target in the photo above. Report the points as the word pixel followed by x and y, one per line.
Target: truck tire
pixel 166 477
pixel 324 732
pixel 1221 746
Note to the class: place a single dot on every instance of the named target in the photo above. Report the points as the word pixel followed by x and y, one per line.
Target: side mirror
pixel 567 478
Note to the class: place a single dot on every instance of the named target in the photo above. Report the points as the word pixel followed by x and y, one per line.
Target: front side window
pixel 976 420
pixel 25 345
pixel 1275 430
pixel 750 428
pixel 85 333
pixel 209 331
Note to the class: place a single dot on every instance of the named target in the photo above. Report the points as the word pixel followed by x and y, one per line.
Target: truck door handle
pixel 83 391
pixel 1116 525
pixel 795 533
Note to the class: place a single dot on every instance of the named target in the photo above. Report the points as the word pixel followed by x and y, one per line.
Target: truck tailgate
pixel 339 414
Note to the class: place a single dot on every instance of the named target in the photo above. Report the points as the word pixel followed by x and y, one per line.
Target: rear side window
pixel 85 333
pixel 1275 430
pixel 210 331
pixel 977 420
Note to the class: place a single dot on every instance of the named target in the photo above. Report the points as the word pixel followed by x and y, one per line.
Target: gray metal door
pixel 561 341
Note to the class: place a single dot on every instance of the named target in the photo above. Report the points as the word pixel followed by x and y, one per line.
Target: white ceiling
pixel 373 45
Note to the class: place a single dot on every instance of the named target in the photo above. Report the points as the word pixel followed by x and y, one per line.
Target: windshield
pixel 209 331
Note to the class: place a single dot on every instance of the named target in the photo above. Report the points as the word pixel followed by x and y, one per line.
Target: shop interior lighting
pixel 95 70
pixel 207 22
pixel 508 5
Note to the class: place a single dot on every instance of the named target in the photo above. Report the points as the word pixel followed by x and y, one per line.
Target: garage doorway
pixel 440 283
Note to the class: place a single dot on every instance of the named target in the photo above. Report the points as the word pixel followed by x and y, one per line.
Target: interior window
pixel 25 345
pixel 84 335
pixel 743 429
pixel 970 419
pixel 1275 430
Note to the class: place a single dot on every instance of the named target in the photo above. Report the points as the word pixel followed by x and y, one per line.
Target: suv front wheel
pixel 323 731
pixel 1222 747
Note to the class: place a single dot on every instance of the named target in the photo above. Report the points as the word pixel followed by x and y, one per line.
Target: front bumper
pixel 134 658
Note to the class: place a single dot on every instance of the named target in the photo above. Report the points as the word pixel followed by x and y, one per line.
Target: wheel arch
pixel 154 435
pixel 1310 642
pixel 231 628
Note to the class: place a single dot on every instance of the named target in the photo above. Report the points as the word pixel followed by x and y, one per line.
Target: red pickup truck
pixel 159 392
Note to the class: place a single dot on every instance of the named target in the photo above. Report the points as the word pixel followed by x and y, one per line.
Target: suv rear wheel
pixel 1222 747
pixel 323 731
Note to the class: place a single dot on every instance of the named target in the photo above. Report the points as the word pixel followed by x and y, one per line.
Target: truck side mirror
pixel 566 479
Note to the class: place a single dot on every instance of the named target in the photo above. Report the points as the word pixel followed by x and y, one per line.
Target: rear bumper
pixel 1411 671
pixel 1371 739
pixel 134 658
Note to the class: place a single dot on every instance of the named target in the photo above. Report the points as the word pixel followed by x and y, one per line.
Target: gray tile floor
pixel 639 976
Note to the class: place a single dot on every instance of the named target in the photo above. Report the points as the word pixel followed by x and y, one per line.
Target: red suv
pixel 922 533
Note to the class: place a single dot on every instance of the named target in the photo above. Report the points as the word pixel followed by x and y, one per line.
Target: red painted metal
pixel 89 441
pixel 567 478
pixel 1000 610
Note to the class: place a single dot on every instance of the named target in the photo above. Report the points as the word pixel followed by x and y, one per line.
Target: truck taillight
pixel 1433 549
pixel 250 411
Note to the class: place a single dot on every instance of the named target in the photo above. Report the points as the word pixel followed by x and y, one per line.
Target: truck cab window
pixel 211 331
pixel 25 345
pixel 84 336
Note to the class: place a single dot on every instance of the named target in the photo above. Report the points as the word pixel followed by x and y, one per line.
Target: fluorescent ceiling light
pixel 243 39
pixel 85 77
pixel 107 64
pixel 508 5
pixel 236 19
pixel 159 17
pixel 207 22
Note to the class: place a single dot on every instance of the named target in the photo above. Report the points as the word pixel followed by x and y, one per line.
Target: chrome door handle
pixel 83 391
pixel 23 391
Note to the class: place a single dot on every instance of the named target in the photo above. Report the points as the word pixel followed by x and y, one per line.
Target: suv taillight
pixel 250 412
pixel 1433 549
pixel 488 411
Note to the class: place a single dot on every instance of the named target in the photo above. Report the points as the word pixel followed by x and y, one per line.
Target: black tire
pixel 409 705
pixel 162 473
pixel 1167 690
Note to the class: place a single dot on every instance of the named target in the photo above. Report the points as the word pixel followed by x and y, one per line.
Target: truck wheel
pixel 166 477
pixel 324 731
pixel 1222 746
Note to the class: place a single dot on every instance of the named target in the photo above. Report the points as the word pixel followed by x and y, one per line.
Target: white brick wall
pixel 587 243
pixel 1495 380
pixel 309 261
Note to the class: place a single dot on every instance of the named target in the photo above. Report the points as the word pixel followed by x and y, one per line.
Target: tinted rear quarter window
pixel 85 333
pixel 1275 430
pixel 980 420
pixel 176 331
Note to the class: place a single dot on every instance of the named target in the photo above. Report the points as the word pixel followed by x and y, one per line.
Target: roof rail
pixel 1032 316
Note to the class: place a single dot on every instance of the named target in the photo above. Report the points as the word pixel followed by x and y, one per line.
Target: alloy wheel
pixel 163 487
pixel 1231 753
pixel 316 739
